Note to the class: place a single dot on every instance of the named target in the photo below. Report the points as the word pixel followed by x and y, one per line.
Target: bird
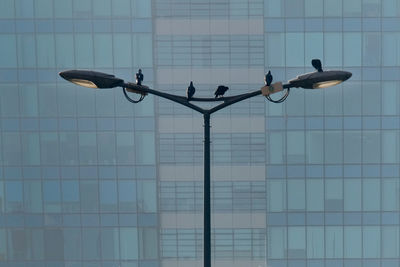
pixel 317 64
pixel 268 78
pixel 139 77
pixel 190 91
pixel 221 90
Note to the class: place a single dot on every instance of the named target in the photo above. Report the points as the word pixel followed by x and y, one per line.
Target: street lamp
pixel 313 80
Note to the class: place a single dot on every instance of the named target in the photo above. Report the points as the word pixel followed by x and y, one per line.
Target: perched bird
pixel 139 77
pixel 317 64
pixel 268 78
pixel 190 91
pixel 220 90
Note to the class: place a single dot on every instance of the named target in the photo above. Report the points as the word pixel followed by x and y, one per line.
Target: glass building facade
pixel 89 180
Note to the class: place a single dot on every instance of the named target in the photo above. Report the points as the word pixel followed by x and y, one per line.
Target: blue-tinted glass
pixel 352 8
pixel 110 243
pixel 294 8
pixel 295 147
pixel 26 50
pixel 106 148
pixel 63 8
pixel 147 196
pixel 277 243
pixel 7 9
pixel 82 8
pixel 125 148
pixel 371 146
pixel 102 8
pixel 102 50
pixel 332 8
pixel 352 195
pixel 333 49
pixel 45 50
pixel 352 242
pixel 30 149
pixel 33 196
pixel 84 51
pixel 274 8
pixel 275 54
pixel 142 50
pixel 121 25
pixel 108 195
pixel 14 196
pixel 52 196
pixel 43 8
pixel 333 149
pixel 296 242
pixel 389 98
pixel 91 243
pixel 315 242
pixel 122 50
pixel 333 195
pixel 313 48
pixel 294 49
pixel 121 8
pixel 296 194
pixel 89 196
pixel 141 9
pixel 145 149
pixel 371 241
pixel 68 148
pixel 87 148
pixel 24 8
pixel 313 8
pixel 371 49
pixel 390 8
pixel 129 243
pixel 352 147
pixel 104 103
pixel 371 8
pixel 390 194
pixel 315 195
pixel 64 50
pixel 276 196
pixel 371 194
pixel 390 241
pixel 127 196
pixel 8 53
pixel 72 244
pixel 352 49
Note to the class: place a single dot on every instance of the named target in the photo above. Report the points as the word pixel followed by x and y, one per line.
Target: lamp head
pixel 317 80
pixel 91 79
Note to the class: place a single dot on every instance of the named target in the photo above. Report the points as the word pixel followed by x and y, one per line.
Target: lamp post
pixel 313 80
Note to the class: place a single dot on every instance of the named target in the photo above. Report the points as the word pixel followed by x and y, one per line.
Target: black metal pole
pixel 207 200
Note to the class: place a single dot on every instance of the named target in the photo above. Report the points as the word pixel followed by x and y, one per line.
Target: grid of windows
pixel 206 51
pixel 225 243
pixel 239 148
pixel 77 167
pixel 213 9
pixel 227 197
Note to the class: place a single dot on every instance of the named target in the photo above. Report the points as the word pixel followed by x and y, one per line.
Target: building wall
pixel 87 179
pixel 78 173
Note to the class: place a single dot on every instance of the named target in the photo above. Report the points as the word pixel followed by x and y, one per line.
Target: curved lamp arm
pixel 227 101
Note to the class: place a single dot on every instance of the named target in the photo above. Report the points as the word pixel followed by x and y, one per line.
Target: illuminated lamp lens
pixel 326 84
pixel 84 83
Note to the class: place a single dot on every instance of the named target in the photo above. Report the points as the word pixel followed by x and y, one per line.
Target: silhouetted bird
pixel 268 78
pixel 190 91
pixel 317 64
pixel 220 91
pixel 139 77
